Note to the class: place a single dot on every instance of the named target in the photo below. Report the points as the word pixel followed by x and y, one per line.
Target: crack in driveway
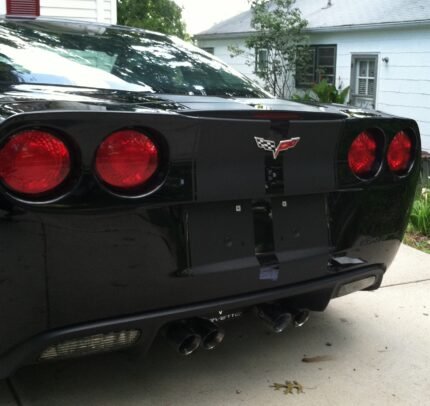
pixel 405 283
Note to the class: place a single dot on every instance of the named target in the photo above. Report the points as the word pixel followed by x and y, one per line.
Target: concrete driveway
pixel 370 348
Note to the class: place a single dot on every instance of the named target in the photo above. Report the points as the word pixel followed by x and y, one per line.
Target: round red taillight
pixel 127 160
pixel 33 162
pixel 362 155
pixel 399 154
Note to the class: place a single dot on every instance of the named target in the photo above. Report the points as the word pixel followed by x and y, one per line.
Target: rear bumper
pixel 227 221
pixel 318 291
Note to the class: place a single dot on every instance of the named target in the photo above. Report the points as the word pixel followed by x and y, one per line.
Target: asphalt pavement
pixel 369 348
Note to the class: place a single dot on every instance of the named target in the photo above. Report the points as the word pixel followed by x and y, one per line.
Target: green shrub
pixel 324 92
pixel 327 93
pixel 420 217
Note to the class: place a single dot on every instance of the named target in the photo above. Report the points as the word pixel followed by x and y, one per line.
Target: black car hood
pixel 23 98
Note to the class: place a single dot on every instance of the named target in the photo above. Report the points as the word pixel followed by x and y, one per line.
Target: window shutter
pixel 23 7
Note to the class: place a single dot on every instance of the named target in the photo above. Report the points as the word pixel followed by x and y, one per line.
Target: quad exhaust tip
pixel 187 336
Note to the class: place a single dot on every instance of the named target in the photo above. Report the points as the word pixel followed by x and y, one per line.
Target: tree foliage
pixel 156 15
pixel 279 30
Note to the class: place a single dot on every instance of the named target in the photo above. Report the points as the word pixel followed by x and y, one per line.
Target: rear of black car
pixel 125 214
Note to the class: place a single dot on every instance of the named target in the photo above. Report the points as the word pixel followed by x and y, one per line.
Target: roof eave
pixel 227 35
pixel 374 26
pixel 342 28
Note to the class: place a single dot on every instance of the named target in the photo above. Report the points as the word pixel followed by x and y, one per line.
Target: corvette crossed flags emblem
pixel 270 146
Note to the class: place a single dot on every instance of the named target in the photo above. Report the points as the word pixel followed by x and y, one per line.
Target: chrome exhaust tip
pixel 274 317
pixel 182 338
pixel 301 317
pixel 211 335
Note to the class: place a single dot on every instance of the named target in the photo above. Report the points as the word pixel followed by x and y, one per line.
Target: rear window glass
pixel 85 55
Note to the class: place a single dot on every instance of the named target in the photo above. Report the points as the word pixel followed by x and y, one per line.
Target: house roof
pixel 341 15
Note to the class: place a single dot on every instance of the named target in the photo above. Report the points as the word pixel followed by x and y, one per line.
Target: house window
pixel 23 7
pixel 209 50
pixel 366 77
pixel 261 60
pixel 319 65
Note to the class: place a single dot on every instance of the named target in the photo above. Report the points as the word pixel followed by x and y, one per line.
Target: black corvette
pixel 146 187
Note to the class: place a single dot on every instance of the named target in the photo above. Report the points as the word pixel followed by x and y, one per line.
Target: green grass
pixel 419 221
pixel 418 232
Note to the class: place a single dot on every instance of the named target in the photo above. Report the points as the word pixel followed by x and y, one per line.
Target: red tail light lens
pixel 127 160
pixel 34 162
pixel 399 154
pixel 362 155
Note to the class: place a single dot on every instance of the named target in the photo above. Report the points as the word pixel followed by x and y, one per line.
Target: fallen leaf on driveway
pixel 288 387
pixel 320 358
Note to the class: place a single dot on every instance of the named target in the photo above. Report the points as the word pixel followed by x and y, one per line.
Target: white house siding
pixel 88 10
pixel 221 51
pixel 403 84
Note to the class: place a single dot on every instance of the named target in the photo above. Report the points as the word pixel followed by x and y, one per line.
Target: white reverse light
pixel 91 345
